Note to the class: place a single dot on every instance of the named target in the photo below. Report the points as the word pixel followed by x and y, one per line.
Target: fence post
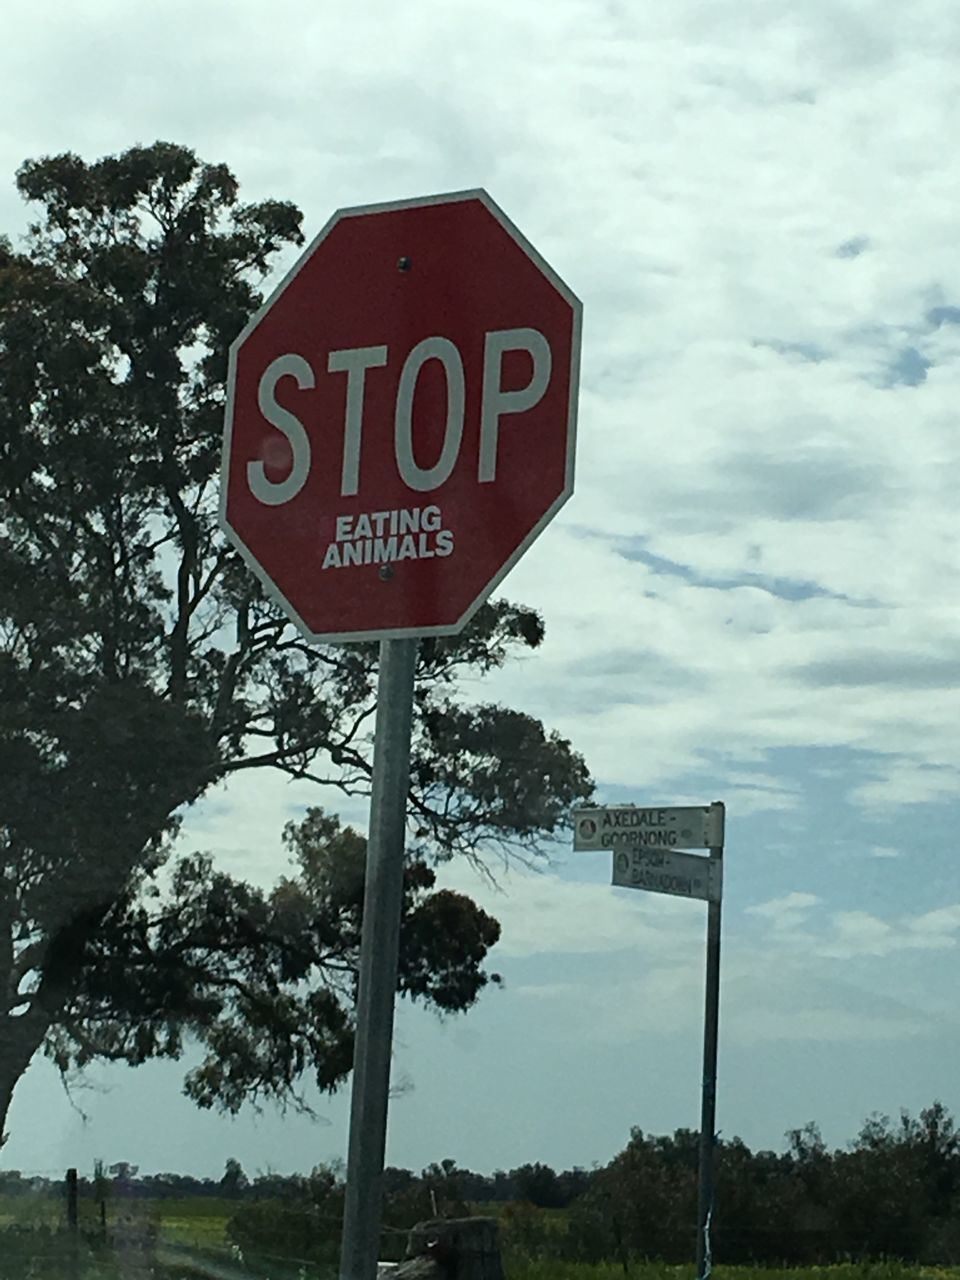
pixel 73 1206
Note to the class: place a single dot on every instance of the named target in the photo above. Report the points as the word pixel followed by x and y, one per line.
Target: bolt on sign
pixel 401 418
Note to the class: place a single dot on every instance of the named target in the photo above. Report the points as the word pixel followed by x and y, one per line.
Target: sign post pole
pixel 326 519
pixel 647 845
pixel 705 1192
pixel 379 946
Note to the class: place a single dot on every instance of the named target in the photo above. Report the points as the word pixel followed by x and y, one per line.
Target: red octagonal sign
pixel 401 417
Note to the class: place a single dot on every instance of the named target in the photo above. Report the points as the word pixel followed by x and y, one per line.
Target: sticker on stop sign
pixel 401 418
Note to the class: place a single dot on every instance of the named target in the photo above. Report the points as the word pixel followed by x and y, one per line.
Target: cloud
pixel 241 822
pixel 941 315
pixel 542 914
pixel 736 442
pixel 772 994
pixel 853 247
pixel 901 671
pixel 803 1023
pixel 905 781
pixel 853 934
pixel 908 367
pixel 859 933
pixel 942 921
pixel 787 911
pixel 755 203
pixel 632 1001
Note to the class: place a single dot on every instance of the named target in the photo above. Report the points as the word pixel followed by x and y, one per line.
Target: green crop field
pixel 168 1264
pixel 550 1270
pixel 186 1239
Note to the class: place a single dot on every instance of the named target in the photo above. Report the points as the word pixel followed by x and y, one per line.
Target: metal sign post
pixel 356 538
pixel 708 1102
pixel 379 946
pixel 646 844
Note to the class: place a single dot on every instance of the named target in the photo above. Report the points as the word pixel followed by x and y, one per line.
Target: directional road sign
pixel 628 826
pixel 685 875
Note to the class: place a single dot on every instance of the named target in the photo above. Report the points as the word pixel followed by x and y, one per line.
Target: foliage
pixel 794 1212
pixel 285 1230
pixel 891 1193
pixel 659 1223
pixel 306 1226
pixel 899 1186
pixel 894 1193
pixel 234 1181
pixel 142 664
pixel 42 1254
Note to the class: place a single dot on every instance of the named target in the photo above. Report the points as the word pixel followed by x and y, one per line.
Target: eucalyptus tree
pixel 141 665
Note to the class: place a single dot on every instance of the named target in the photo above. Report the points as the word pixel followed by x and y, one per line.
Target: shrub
pixel 298 1231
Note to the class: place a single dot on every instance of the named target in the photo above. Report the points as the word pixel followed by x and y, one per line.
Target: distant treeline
pixel 893 1192
pixel 535 1184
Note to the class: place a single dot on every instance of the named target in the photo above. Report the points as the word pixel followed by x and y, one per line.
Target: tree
pixel 141 664
pixel 538 1184
pixel 442 1184
pixel 933 1142
pixel 647 1196
pixel 898 1184
pixel 234 1181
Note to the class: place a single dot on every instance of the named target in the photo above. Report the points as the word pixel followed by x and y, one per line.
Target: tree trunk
pixel 6 1096
pixel 20 1038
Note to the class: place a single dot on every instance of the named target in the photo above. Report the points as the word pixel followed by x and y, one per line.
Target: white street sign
pixel 627 826
pixel 686 875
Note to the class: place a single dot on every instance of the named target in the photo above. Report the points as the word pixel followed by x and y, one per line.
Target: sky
pixel 752 595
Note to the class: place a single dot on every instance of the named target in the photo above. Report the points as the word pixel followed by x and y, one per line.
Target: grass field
pixel 219 1265
pixel 186 1239
pixel 550 1270
pixel 190 1221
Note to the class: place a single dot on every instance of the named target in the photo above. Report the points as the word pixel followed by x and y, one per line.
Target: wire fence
pixel 224 1241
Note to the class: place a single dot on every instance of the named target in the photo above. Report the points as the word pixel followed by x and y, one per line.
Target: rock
pixel 453 1249
pixel 424 1268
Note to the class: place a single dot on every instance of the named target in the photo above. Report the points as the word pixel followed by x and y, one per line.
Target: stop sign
pixel 401 416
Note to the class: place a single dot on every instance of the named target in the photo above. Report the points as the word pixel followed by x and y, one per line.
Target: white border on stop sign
pixel 388 206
